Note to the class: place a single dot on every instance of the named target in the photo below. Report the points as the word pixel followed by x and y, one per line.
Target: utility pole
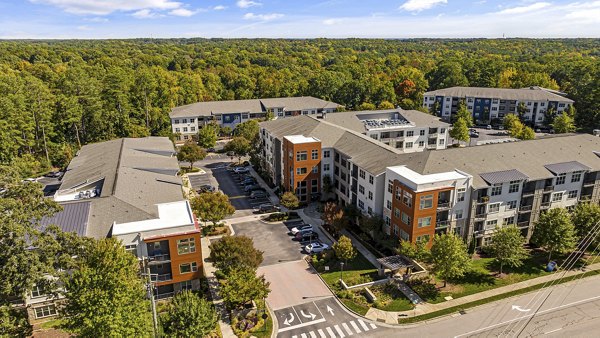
pixel 150 288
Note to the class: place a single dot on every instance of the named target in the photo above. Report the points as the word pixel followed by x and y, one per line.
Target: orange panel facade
pixel 185 250
pixel 302 168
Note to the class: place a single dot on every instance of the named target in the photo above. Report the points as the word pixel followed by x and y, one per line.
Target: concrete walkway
pixel 424 308
pixel 213 283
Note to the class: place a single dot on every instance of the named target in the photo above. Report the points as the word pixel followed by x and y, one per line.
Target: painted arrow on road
pixel 518 308
pixel 330 310
pixel 289 322
pixel 309 315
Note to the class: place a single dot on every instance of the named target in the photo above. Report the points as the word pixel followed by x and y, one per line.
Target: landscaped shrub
pixel 281 216
pixel 424 288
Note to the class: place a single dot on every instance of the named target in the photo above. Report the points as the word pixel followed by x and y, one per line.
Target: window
pixel 491 224
pixel 315 169
pixel 186 285
pixel 514 186
pixel 184 121
pixel 192 128
pixel 421 143
pixel 36 292
pixel 185 137
pixel 361 174
pixel 395 230
pixel 192 120
pixel 361 189
pixel 572 194
pixel 405 219
pixel 186 246
pixel 301 156
pixel 388 204
pixel 557 196
pixel 390 186
pixel 443 131
pixel 460 194
pixel 410 133
pixel 441 141
pixel 326 154
pixel 132 249
pixel 511 205
pixel 458 214
pixel 509 220
pixel 407 199
pixel 185 129
pixel 426 202
pixel 422 132
pixel 404 235
pixel 560 179
pixel 326 167
pixel 398 194
pixel 409 145
pixel 576 177
pixel 176 122
pixel 370 179
pixel 387 221
pixel 423 238
pixel 177 130
pixel 370 194
pixel 494 207
pixel 497 189
pixel 45 311
pixel 188 267
pixel 424 222
pixel 314 154
pixel 396 212
pixel 300 171
pixel 361 204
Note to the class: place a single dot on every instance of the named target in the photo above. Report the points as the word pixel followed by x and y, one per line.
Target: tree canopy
pixel 207 136
pixel 507 247
pixel 212 206
pixel 460 130
pixel 190 316
pixel 232 252
pixel 554 231
pixel 449 257
pixel 344 250
pixel 190 152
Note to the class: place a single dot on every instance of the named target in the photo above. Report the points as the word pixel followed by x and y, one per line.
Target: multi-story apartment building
pixel 302 166
pixel 186 120
pixel 128 188
pixel 469 191
pixel 490 105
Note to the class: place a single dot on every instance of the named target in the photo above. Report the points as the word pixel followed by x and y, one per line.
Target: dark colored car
pixel 303 236
pixel 206 188
pixel 266 208
pixel 55 174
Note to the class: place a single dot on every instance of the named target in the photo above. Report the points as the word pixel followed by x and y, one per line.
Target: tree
pixel 190 152
pixel 242 286
pixel 521 111
pixel 235 251
pixel 366 106
pixel 449 256
pixel 239 146
pixel 207 136
pixel 105 295
pixel 190 316
pixel 563 123
pixel 507 247
pixel 509 121
pixel 371 224
pixel 344 250
pixel 527 133
pixel 554 232
pixel 289 200
pixel 269 116
pixel 585 217
pixel 385 105
pixel 460 130
pixel 248 130
pixel 465 114
pixel 212 206
pixel 334 216
pixel 417 251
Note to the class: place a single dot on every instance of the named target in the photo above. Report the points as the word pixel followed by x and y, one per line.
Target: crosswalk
pixel 351 328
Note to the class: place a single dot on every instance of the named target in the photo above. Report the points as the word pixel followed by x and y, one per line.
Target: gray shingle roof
pixel 566 167
pixel 532 93
pixel 353 120
pixel 137 174
pixel 73 218
pixel 250 106
pixel 503 176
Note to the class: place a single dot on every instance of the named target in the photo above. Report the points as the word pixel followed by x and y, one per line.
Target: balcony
pixel 545 205
pixel 161 278
pixel 525 208
pixel 528 193
pixel 549 188
pixel 442 205
pixel 442 224
pixel 483 199
pixel 480 217
pixel 523 224
pixel 165 295
pixel 589 184
pixel 159 258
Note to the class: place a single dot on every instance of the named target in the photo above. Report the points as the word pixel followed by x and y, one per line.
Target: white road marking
pixel 364 325
pixel 373 326
pixel 549 332
pixel 321 320
pixel 312 334
pixel 304 335
pixel 339 331
pixel 330 331
pixel 355 327
pixel 347 329
pixel 294 336
pixel 321 333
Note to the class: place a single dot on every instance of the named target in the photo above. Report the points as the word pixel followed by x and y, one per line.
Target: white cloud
pixel 219 7
pixel 83 28
pixel 420 5
pixel 104 7
pixel 182 12
pixel 145 14
pixel 262 17
pixel 525 9
pixel 330 22
pixel 247 3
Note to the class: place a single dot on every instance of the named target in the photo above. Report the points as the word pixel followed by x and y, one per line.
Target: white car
pixel 241 170
pixel 302 228
pixel 316 247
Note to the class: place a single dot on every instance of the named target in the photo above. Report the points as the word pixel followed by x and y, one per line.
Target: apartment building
pixel 128 188
pixel 302 166
pixel 490 105
pixel 187 120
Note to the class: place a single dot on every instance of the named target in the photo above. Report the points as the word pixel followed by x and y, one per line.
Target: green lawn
pixel 356 271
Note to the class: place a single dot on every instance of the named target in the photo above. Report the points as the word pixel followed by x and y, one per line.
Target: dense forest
pixel 58 95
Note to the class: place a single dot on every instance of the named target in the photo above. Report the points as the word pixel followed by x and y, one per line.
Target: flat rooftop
pixel 170 215
pixel 298 139
pixel 420 179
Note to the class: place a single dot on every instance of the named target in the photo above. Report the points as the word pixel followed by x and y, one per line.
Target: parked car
pixel 251 187
pixel 206 188
pixel 211 150
pixel 302 228
pixel 306 236
pixel 316 247
pixel 266 208
pixel 258 194
pixel 248 182
pixel 473 134
pixel 488 127
pixel 241 170
pixel 54 174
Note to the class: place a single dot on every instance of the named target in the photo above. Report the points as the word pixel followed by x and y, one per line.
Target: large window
pixel 576 177
pixel 560 179
pixel 407 199
pixel 424 222
pixel 45 311
pixel 511 205
pixel 557 196
pixel 301 156
pixel 314 154
pixel 300 171
pixel 361 189
pixel 361 173
pixel 390 186
pixel 489 225
pixel 572 194
pixel 388 204
pixel 131 248
pixel 497 189
pixel 36 292
pixel 494 207
pixel 426 202
pixel 406 219
pixel 188 267
pixel 410 133
pixel 460 194
pixel 326 153
pixel 514 186
pixel 186 246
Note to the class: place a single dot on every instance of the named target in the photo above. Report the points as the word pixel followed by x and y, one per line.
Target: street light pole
pixel 150 287
pixel 342 271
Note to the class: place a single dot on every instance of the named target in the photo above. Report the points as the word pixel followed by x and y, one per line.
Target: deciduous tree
pixel 449 256
pixel 190 152
pixel 190 316
pixel 554 232
pixel 238 146
pixel 289 200
pixel 507 247
pixel 585 218
pixel 344 250
pixel 465 114
pixel 207 136
pixel 460 130
pixel 334 216
pixel 212 206
pixel 231 252
pixel 563 123
pixel 242 286
pixel 248 130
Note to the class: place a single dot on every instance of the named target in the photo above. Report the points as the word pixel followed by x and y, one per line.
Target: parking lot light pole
pixel 342 271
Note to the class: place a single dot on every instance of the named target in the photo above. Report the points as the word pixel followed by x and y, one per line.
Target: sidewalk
pixel 392 317
pixel 213 283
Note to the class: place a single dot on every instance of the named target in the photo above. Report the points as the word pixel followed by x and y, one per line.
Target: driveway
pixel 272 239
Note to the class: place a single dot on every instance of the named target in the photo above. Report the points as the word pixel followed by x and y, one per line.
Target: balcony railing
pixel 525 208
pixel 443 205
pixel 480 216
pixel 442 224
pixel 545 205
pixel 589 184
pixel 161 278
pixel 159 257
pixel 523 224
pixel 165 295
pixel 483 199
pixel 548 188
pixel 528 193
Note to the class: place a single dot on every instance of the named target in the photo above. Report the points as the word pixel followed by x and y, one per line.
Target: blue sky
pixel 297 18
